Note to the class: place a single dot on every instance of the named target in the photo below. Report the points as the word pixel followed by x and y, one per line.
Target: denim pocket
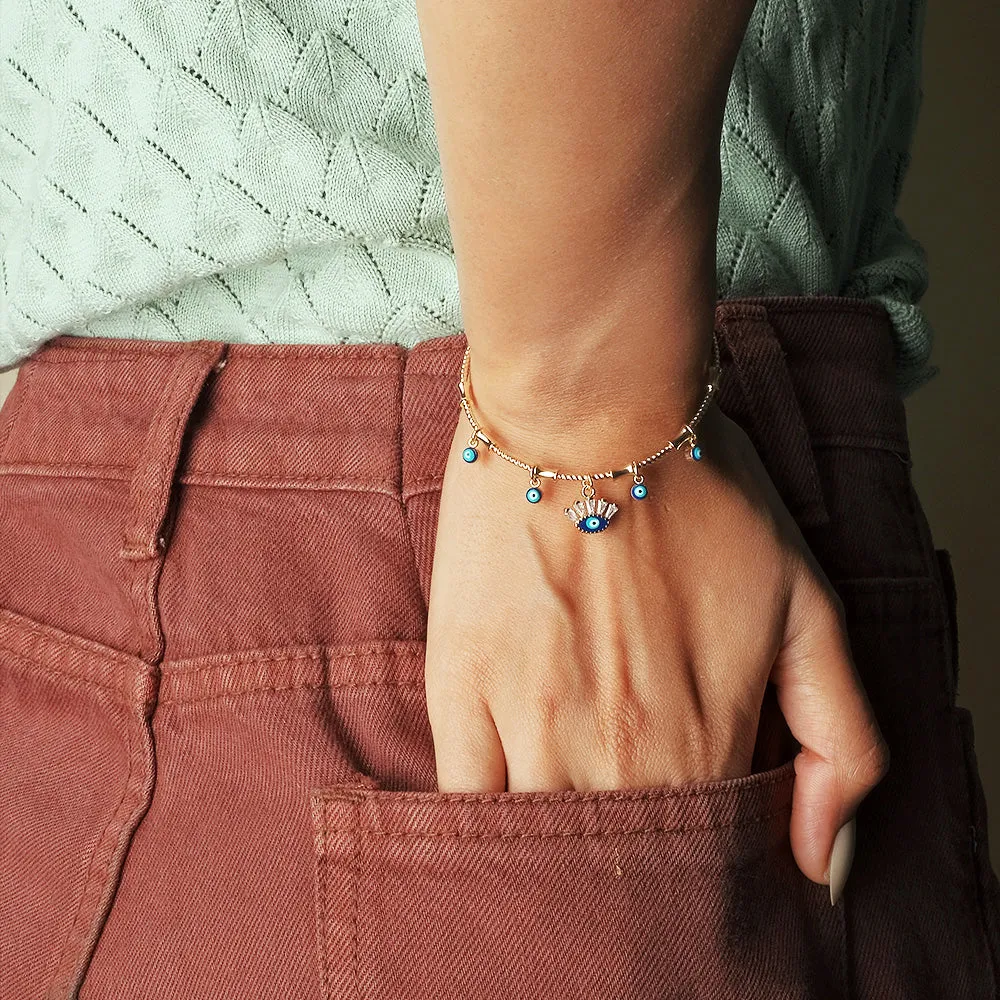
pixel 687 891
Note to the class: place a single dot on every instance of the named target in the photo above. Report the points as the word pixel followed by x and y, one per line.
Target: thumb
pixel 843 755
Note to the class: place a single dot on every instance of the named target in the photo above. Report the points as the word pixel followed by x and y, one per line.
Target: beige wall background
pixel 951 204
pixel 6 381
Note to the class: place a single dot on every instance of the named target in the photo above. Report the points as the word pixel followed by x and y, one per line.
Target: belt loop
pixel 149 492
pixel 777 425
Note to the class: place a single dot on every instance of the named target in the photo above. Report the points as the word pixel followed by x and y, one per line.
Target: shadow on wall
pixel 950 203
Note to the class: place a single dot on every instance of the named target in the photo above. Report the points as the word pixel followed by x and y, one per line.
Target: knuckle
pixel 830 611
pixel 821 607
pixel 622 733
pixel 549 710
pixel 617 774
pixel 835 608
pixel 871 766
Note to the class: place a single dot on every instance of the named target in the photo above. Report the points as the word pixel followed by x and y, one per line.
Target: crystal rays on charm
pixel 591 514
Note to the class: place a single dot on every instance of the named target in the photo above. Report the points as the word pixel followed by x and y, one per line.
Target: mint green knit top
pixel 267 170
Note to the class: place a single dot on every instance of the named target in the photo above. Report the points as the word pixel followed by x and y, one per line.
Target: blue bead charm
pixel 639 491
pixel 696 453
pixel 533 495
pixel 470 454
pixel 593 523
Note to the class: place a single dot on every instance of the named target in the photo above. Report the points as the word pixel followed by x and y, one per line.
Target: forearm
pixel 579 144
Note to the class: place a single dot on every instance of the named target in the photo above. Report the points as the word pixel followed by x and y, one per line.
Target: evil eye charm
pixel 696 453
pixel 591 515
pixel 639 491
pixel 533 495
pixel 470 454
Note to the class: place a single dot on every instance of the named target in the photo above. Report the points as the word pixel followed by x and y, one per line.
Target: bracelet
pixel 590 515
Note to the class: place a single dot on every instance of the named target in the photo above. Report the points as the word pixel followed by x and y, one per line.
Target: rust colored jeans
pixel 216 771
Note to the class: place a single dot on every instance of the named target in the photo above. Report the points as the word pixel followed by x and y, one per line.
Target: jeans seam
pixel 355 879
pixel 655 830
pixel 324 912
pixel 416 583
pixel 69 942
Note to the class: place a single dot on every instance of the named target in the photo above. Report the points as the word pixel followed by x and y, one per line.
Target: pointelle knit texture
pixel 268 171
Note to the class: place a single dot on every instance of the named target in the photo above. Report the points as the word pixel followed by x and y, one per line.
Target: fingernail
pixel 841 857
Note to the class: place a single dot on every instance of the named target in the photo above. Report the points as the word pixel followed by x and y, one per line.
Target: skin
pixel 579 146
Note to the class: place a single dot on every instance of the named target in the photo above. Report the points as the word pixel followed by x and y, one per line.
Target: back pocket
pixel 680 892
pixel 76 773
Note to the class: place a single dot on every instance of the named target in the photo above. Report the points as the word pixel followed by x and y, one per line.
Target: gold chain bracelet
pixel 590 515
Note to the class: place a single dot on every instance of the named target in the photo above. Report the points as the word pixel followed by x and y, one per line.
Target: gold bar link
pixel 687 435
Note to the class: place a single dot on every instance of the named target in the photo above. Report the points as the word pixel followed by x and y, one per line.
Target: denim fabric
pixel 216 770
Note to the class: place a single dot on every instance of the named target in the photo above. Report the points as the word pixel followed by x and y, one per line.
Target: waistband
pixel 805 371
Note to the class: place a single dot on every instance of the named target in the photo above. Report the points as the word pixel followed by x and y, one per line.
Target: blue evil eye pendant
pixel 639 489
pixel 591 515
pixel 534 494
pixel 693 448
pixel 471 452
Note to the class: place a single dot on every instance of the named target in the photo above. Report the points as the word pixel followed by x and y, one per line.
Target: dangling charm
pixel 534 494
pixel 591 514
pixel 639 490
pixel 693 448
pixel 588 514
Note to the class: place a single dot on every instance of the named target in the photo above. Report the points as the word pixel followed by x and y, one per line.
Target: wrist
pixel 612 399
pixel 607 359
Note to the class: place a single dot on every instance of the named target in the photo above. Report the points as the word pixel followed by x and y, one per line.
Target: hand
pixel 640 656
